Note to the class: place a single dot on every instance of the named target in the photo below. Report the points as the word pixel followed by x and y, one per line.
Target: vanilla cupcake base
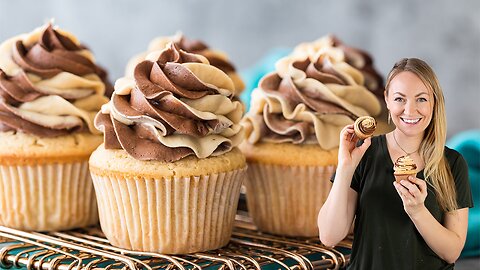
pixel 170 212
pixel 285 200
pixel 45 184
pixel 286 186
pixel 47 197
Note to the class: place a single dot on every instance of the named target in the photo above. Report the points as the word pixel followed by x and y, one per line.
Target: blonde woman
pixel 420 222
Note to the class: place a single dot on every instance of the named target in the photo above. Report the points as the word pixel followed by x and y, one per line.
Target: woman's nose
pixel 410 107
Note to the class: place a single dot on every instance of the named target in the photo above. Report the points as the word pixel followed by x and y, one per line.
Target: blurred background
pixel 445 33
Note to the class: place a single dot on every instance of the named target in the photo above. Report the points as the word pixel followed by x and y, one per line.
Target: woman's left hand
pixel 413 193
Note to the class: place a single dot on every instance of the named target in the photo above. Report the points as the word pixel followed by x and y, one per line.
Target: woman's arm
pixel 446 240
pixel 336 216
pixel 337 213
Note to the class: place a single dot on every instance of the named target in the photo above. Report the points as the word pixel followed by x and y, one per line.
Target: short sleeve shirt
pixel 384 235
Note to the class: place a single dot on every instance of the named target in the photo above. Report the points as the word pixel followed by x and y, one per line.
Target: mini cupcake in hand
pixel 403 168
pixel 50 91
pixel 168 176
pixel 364 127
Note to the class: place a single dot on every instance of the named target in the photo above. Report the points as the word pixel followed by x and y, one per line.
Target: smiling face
pixel 410 103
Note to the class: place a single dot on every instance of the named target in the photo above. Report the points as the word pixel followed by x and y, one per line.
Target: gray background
pixel 445 33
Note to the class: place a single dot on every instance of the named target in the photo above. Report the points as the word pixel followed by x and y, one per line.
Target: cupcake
pixel 292 129
pixel 216 58
pixel 168 175
pixel 403 168
pixel 364 127
pixel 50 91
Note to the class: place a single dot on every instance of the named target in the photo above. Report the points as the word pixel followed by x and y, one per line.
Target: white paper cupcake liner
pixel 168 215
pixel 47 197
pixel 285 200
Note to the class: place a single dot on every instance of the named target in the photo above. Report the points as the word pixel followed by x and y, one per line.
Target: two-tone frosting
pixel 404 165
pixel 365 126
pixel 308 100
pixel 355 57
pixel 176 105
pixel 49 84
pixel 216 58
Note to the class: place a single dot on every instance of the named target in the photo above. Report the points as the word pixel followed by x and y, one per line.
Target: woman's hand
pixel 413 193
pixel 348 154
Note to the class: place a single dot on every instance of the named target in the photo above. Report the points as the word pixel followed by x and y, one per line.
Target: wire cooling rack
pixel 88 248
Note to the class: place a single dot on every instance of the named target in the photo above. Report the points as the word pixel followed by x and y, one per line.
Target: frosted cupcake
pixel 292 128
pixel 168 176
pixel 216 58
pixel 364 127
pixel 403 168
pixel 50 91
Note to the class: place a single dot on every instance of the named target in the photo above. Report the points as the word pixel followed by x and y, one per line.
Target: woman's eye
pixel 398 99
pixel 422 99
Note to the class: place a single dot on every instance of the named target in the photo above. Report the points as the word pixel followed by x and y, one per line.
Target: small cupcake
pixel 216 58
pixel 168 175
pixel 403 168
pixel 292 128
pixel 50 91
pixel 364 127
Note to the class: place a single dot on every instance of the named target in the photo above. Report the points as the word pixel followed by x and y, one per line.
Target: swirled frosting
pixel 404 165
pixel 365 126
pixel 216 58
pixel 49 84
pixel 355 57
pixel 174 107
pixel 309 99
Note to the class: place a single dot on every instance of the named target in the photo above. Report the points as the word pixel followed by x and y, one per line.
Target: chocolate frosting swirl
pixel 215 58
pixel 176 106
pixel 49 84
pixel 308 99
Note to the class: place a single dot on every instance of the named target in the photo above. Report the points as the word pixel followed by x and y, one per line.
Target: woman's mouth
pixel 410 121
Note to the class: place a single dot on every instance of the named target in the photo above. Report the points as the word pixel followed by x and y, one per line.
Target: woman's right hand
pixel 348 154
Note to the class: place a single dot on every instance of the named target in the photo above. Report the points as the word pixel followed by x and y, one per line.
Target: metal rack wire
pixel 88 248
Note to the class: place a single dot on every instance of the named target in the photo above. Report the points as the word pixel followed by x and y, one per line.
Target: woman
pixel 419 223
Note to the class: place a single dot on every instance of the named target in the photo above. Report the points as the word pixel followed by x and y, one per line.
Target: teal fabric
pixel 468 144
pixel 265 65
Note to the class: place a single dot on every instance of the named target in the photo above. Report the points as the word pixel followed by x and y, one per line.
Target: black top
pixel 384 235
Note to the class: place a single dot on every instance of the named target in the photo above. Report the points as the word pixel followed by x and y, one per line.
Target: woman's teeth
pixel 410 121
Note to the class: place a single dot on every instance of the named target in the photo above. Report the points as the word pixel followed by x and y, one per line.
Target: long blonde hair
pixel 437 170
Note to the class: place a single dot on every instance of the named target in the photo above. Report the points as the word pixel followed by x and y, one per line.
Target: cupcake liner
pixel 285 200
pixel 47 197
pixel 168 215
pixel 400 177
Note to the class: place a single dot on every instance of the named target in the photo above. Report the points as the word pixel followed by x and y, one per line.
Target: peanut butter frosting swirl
pixel 404 165
pixel 176 106
pixel 216 58
pixel 355 57
pixel 49 84
pixel 308 100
